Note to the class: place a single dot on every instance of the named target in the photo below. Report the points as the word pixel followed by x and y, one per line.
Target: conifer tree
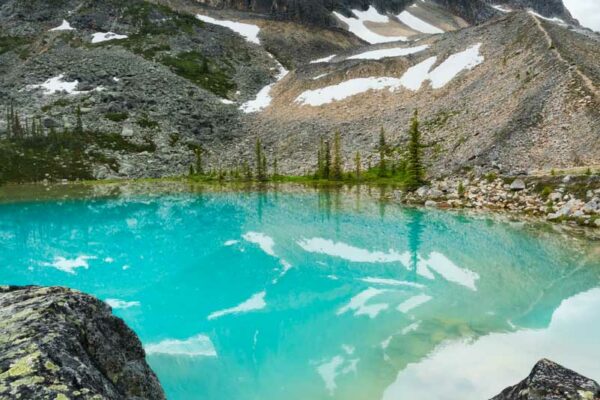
pixel 357 165
pixel 79 123
pixel 320 156
pixel 259 159
pixel 415 170
pixel 327 161
pixel 336 168
pixel 383 170
pixel 275 166
pixel 265 174
pixel 199 168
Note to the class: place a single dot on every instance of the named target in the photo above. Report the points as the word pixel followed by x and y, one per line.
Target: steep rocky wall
pixel 57 343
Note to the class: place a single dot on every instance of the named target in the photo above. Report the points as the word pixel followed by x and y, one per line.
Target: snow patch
pixel 453 65
pixel 384 53
pixel 100 37
pixel 501 8
pixel 247 31
pixel 323 60
pixel 358 28
pixel 65 26
pixel 263 97
pixel 343 90
pixel 414 77
pixel 196 346
pixel 256 302
pixel 418 24
pixel 556 20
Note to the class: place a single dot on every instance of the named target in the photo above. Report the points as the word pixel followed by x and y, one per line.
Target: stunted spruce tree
pixel 415 171
pixel 336 168
pixel 383 169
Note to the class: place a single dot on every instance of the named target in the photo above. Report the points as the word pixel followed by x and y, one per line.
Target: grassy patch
pixel 11 43
pixel 146 122
pixel 116 116
pixel 197 68
pixel 61 155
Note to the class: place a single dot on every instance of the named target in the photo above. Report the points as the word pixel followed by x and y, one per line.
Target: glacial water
pixel 315 295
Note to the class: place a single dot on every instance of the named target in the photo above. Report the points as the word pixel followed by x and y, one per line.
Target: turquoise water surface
pixel 317 294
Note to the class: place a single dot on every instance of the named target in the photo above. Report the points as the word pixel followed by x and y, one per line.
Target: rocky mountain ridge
pixel 151 83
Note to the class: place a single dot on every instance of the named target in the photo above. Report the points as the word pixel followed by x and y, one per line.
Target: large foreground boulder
pixel 550 381
pixel 57 343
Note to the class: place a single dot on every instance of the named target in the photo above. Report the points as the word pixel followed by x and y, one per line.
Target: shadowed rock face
pixel 319 11
pixel 57 343
pixel 550 381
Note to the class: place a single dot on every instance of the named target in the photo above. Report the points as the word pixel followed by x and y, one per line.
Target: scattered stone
pixel 550 381
pixel 430 203
pixel 517 185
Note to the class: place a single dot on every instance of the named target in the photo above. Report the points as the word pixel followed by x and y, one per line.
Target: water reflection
pixel 316 295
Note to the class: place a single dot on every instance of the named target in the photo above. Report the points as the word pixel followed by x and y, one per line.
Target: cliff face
pixel 319 11
pixel 57 343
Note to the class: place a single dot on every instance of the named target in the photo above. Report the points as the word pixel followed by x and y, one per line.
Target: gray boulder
pixel 550 381
pixel 518 184
pixel 57 343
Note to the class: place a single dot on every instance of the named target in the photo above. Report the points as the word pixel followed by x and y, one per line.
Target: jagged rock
pixel 555 197
pixel 423 191
pixel 518 184
pixel 430 203
pixel 550 381
pixel 592 206
pixel 57 343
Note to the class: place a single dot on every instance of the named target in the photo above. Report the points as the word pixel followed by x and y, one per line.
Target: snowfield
pixel 323 60
pixel 384 53
pixel 412 79
pixel 65 26
pixel 247 31
pixel 357 25
pixel 263 97
pixel 59 85
pixel 100 37
pixel 453 65
pixel 417 24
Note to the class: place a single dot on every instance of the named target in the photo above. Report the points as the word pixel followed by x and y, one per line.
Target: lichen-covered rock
pixel 550 381
pixel 57 343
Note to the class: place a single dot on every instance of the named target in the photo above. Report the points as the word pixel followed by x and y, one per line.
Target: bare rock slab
pixel 550 381
pixel 57 343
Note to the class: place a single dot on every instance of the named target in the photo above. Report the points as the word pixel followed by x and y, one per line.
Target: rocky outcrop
pixel 550 381
pixel 57 343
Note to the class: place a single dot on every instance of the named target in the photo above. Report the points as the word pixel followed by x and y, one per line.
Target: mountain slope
pixel 145 85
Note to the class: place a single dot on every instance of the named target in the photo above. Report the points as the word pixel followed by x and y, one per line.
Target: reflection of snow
pixel 121 304
pixel 196 346
pixel 499 360
pixel 266 243
pixel 413 302
pixel 335 367
pixel 70 265
pixel 350 253
pixel 256 302
pixel 358 304
pixel 451 272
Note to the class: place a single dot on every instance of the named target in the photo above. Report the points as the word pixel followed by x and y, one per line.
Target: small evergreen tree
pixel 79 123
pixel 327 161
pixel 336 168
pixel 415 170
pixel 198 154
pixel 357 165
pixel 258 154
pixel 275 166
pixel 383 169
pixel 191 170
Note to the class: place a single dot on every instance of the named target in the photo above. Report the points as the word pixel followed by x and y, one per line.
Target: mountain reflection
pixel 319 294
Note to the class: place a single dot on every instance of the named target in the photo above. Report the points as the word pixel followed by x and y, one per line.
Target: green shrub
pixel 116 116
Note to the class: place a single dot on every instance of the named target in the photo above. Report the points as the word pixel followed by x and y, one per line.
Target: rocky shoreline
pixel 60 344
pixel 569 200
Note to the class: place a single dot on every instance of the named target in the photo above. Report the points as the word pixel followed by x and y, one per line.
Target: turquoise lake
pixel 312 295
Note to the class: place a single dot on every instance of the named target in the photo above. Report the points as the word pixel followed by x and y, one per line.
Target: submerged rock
pixel 550 381
pixel 57 343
